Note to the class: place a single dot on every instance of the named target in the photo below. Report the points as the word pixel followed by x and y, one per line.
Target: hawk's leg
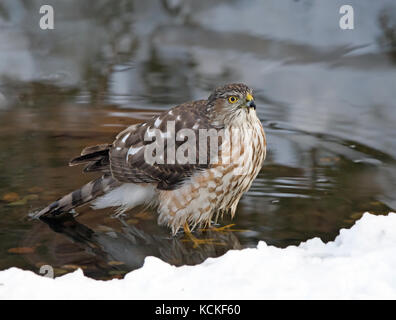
pixel 196 242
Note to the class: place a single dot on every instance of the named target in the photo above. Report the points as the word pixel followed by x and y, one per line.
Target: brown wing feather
pixel 132 167
pixel 95 158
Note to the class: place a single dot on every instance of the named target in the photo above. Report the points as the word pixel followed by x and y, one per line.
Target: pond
pixel 326 98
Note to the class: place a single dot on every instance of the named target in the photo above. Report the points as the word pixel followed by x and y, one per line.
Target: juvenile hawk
pixel 185 193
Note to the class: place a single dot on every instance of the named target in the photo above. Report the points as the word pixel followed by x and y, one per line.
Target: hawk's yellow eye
pixel 233 99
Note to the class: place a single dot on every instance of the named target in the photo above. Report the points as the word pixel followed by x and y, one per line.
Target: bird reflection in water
pixel 114 252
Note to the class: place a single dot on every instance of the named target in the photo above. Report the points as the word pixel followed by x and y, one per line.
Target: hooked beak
pixel 250 102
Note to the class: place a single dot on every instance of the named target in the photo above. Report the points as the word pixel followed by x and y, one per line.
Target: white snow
pixel 359 264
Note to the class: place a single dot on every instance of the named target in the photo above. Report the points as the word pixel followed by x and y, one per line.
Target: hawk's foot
pixel 226 228
pixel 197 242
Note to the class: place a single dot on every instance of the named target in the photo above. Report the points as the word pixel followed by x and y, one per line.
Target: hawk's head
pixel 232 102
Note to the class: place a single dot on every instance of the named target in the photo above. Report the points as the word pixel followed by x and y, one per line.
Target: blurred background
pixel 326 98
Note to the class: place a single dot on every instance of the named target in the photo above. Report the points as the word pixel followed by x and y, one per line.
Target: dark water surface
pixel 326 97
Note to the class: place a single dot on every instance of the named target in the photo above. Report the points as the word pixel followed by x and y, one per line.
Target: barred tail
pixel 85 194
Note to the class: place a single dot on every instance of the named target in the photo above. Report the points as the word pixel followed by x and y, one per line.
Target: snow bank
pixel 360 263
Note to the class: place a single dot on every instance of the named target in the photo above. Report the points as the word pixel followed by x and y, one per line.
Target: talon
pixel 196 242
pixel 226 228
